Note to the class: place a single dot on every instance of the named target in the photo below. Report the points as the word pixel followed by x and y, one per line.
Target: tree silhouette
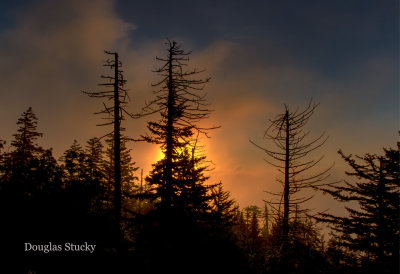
pixel 254 240
pixel 372 230
pixel 115 114
pixel 181 103
pixel 74 163
pixel 127 168
pixel 2 161
pixel 25 140
pixel 223 206
pixel 25 166
pixel 22 161
pixel 306 252
pixel 94 159
pixel 30 177
pixel 290 156
pixel 189 191
pixel 83 176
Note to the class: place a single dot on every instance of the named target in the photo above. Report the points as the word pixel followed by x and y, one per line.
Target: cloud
pixel 54 50
pixel 247 92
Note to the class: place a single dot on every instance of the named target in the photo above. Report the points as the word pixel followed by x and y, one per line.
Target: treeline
pixel 176 220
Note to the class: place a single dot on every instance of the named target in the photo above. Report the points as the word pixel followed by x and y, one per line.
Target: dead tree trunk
pixel 118 95
pixel 117 146
pixel 286 182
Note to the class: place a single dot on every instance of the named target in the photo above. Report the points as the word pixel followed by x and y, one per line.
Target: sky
pixel 261 54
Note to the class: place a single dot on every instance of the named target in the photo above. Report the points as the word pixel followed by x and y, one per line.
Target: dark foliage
pixel 370 233
pixel 43 202
pixel 172 242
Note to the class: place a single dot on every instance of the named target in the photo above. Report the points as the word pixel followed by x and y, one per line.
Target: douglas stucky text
pixel 68 247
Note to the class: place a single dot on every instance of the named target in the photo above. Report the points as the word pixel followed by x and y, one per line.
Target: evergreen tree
pixel 189 191
pixel 29 167
pixel 224 208
pixel 128 169
pixel 22 161
pixel 266 216
pixel 94 159
pixel 306 253
pixel 24 143
pixel 370 231
pixel 74 163
pixel 49 172
pixel 30 183
pixel 194 195
pixel 2 161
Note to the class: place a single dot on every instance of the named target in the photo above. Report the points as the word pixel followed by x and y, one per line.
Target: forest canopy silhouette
pixel 95 201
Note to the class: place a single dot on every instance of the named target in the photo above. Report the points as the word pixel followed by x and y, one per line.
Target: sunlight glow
pixel 158 155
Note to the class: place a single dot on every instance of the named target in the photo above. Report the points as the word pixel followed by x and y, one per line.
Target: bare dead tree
pixel 291 157
pixel 115 98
